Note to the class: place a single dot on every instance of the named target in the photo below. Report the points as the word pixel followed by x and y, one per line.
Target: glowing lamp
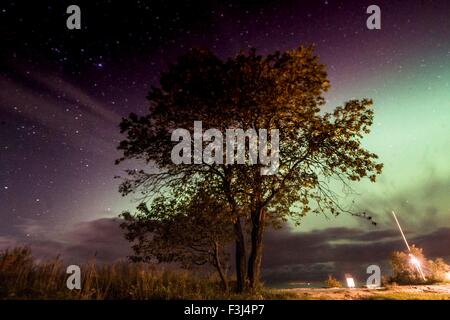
pixel 350 281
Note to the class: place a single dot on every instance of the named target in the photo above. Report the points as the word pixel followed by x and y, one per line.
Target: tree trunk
pixel 254 262
pixel 241 258
pixel 218 266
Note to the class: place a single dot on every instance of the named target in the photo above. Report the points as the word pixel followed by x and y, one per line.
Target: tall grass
pixel 21 277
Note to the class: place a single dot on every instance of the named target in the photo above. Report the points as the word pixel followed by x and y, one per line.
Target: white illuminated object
pixel 350 281
pixel 413 260
pixel 416 263
pixel 447 276
pixel 401 231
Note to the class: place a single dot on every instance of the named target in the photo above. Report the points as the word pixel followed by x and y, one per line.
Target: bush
pixel 332 282
pixel 438 270
pixel 405 272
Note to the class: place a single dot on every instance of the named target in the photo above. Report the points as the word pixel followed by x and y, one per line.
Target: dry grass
pixel 423 292
pixel 410 296
pixel 22 278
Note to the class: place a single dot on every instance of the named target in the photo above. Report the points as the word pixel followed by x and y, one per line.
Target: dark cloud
pixel 436 243
pixel 288 255
pixel 101 239
pixel 310 256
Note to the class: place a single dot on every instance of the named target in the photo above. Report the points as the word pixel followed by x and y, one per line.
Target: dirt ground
pixel 425 292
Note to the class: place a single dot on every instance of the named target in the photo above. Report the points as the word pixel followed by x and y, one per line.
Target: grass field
pixel 21 277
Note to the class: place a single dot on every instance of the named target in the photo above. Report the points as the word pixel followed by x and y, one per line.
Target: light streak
pixel 401 231
pixel 414 260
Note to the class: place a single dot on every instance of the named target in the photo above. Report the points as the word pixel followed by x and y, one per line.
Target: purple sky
pixel 63 93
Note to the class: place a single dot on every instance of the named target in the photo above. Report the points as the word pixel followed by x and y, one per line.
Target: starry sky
pixel 63 93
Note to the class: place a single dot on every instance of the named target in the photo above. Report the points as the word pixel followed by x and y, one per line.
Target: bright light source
pixel 414 260
pixel 350 281
pixel 416 263
pixel 447 276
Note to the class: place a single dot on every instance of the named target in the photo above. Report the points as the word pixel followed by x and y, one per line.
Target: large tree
pixel 283 91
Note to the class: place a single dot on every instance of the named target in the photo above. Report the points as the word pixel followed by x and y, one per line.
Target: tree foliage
pixel 281 91
pixel 171 231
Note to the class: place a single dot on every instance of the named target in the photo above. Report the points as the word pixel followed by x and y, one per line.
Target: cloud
pixel 288 255
pixel 52 102
pixel 7 242
pixel 101 239
pixel 422 206
pixel 310 256
pixel 60 87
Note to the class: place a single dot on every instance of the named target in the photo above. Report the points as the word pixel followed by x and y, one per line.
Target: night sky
pixel 63 93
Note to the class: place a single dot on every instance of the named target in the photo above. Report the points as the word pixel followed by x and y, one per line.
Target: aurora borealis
pixel 63 93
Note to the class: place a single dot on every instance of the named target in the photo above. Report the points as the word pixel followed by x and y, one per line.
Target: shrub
pixel 438 270
pixel 405 272
pixel 332 282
